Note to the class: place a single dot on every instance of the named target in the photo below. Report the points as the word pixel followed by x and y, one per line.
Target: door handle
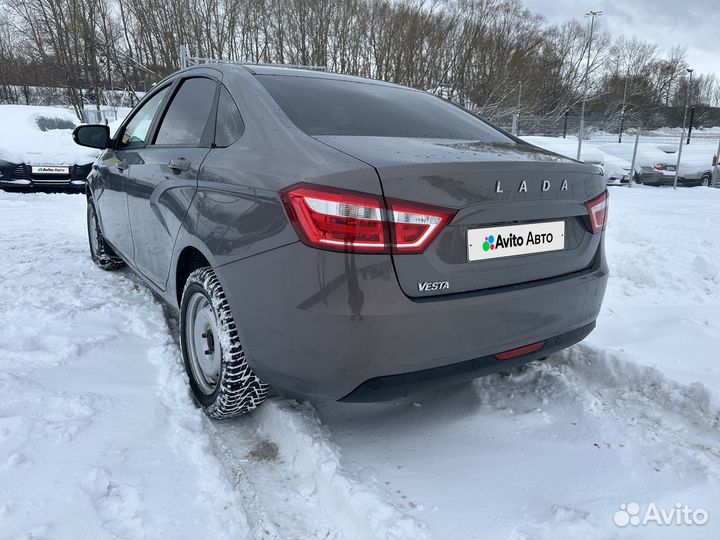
pixel 122 165
pixel 180 165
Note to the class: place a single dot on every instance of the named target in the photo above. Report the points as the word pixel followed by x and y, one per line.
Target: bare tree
pixel 494 57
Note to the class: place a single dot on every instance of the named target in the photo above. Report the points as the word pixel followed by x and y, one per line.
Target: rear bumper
pixel 666 179
pixel 327 324
pixel 393 386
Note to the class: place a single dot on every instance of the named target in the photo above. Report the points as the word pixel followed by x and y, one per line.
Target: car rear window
pixel 48 123
pixel 321 106
pixel 229 126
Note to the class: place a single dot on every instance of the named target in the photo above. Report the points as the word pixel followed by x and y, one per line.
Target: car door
pixel 163 179
pixel 110 192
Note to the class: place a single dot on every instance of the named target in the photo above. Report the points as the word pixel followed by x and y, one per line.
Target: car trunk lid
pixel 491 187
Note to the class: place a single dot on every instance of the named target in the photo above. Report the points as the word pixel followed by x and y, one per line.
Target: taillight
pixel 597 210
pixel 341 220
pixel 337 220
pixel 413 226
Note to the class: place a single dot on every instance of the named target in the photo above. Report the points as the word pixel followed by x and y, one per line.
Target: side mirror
pixel 92 135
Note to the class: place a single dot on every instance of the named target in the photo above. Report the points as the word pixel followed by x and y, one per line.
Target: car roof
pixel 293 71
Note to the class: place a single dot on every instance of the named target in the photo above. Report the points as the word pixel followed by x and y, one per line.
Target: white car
pixel 37 151
pixel 614 168
pixel 655 163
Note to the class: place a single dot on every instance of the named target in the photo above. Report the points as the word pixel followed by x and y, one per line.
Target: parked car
pixel 614 168
pixel 342 237
pixel 662 174
pixel 37 153
pixel 617 170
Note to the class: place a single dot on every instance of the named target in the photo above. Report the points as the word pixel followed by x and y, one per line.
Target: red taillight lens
pixel 597 210
pixel 414 225
pixel 337 220
pixel 340 220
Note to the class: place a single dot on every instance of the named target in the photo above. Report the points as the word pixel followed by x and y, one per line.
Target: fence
pixel 663 155
pixel 103 115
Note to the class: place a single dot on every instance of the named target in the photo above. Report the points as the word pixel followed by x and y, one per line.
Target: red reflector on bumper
pixel 514 353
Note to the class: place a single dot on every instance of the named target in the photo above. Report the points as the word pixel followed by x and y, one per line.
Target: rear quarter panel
pixel 236 212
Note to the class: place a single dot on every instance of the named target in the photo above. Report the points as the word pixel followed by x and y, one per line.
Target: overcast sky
pixel 694 23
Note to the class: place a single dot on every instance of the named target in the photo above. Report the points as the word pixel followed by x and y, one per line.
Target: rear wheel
pixel 102 254
pixel 221 380
pixel 705 180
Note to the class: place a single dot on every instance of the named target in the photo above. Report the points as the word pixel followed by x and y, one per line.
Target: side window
pixel 189 112
pixel 230 126
pixel 136 131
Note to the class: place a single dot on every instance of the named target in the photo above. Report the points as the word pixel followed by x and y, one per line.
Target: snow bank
pixel 663 297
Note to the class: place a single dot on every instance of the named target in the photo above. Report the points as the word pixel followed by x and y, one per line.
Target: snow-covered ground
pixel 630 415
pixel 99 438
pixel 98 435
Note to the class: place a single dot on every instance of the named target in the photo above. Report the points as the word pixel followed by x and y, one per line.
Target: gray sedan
pixel 343 237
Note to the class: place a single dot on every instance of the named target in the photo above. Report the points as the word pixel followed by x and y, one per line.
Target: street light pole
pixel 581 133
pixel 715 167
pixel 516 116
pixel 682 137
pixel 519 94
pixel 622 113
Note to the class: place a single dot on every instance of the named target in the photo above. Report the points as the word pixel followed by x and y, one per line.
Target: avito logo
pixel 513 240
pixel 489 243
pixel 507 241
pixel 680 514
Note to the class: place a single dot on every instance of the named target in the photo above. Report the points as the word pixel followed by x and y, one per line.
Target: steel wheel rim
pixel 203 344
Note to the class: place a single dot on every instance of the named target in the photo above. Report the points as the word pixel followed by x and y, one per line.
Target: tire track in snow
pixel 290 478
pixel 282 457
pixel 262 478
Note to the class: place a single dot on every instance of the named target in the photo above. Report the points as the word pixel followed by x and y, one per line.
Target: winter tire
pixel 102 254
pixel 221 380
pixel 705 180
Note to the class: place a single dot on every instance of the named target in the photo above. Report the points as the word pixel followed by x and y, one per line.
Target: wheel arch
pixel 190 258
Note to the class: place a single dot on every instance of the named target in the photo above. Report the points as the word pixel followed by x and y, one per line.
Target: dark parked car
pixel 663 174
pixel 28 177
pixel 342 237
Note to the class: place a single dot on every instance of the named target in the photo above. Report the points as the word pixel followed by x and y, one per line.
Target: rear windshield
pixel 320 106
pixel 47 123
